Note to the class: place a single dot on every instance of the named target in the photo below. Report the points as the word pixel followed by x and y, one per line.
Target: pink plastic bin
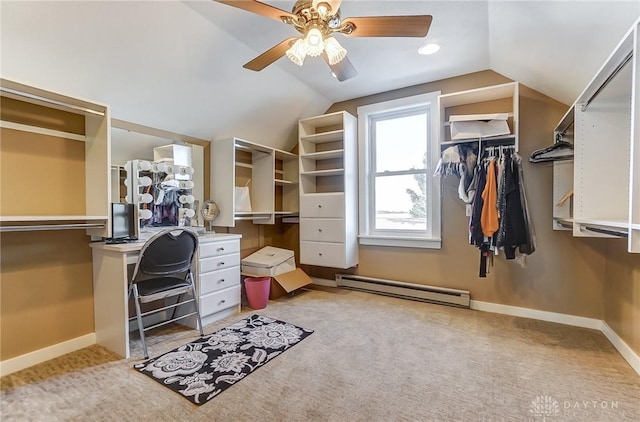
pixel 257 289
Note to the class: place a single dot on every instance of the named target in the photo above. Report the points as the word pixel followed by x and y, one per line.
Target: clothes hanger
pixel 560 150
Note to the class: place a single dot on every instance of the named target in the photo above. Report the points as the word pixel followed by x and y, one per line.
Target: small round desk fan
pixel 210 212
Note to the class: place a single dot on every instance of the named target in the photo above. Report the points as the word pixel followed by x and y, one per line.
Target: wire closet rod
pixel 50 101
pixel 606 81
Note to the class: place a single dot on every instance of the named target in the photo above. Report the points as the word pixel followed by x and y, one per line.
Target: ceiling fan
pixel 317 21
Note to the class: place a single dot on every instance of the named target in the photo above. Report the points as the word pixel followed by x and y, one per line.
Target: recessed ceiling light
pixel 428 49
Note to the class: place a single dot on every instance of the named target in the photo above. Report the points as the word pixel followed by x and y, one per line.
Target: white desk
pixel 112 265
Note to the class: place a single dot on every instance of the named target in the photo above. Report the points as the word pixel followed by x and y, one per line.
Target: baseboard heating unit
pixel 404 290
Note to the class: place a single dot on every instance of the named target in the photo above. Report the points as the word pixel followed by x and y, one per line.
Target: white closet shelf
pixel 322 137
pixel 332 172
pixel 605 223
pixel 487 139
pixel 256 215
pixel 489 93
pixel 324 155
pixel 285 155
pixel 42 131
pixel 284 182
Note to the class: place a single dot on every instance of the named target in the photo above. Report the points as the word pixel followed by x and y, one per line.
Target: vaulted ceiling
pixel 177 66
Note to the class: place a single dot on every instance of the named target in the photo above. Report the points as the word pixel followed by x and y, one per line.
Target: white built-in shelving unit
pixel 271 175
pixel 328 190
pixel 503 98
pixel 604 126
pixel 95 199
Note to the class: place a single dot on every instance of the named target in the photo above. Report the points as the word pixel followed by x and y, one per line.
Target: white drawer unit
pixel 219 262
pixel 322 205
pixel 219 248
pixel 322 229
pixel 327 147
pixel 218 279
pixel 323 254
pixel 218 301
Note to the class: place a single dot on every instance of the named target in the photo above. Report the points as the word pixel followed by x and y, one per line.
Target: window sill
pixel 400 242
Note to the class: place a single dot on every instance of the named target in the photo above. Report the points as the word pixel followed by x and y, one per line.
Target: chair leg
pixel 139 318
pixel 195 303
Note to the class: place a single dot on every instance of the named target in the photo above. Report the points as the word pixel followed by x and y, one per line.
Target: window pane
pixel 401 142
pixel 401 202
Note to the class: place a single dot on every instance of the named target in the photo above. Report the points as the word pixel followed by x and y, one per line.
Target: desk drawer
pixel 219 300
pixel 209 249
pixel 219 262
pixel 218 280
pixel 323 254
pixel 322 205
pixel 322 229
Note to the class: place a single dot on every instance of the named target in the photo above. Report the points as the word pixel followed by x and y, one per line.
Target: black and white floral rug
pixel 206 367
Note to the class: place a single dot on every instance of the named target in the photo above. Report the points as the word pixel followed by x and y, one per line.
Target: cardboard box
pixel 478 125
pixel 269 261
pixel 285 283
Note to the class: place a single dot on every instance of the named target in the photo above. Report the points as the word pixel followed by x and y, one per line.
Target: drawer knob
pixel 222 301
pixel 319 206
pixel 220 249
pixel 320 230
pixel 221 280
pixel 220 263
pixel 320 254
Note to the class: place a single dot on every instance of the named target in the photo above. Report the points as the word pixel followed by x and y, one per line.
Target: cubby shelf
pixel 271 175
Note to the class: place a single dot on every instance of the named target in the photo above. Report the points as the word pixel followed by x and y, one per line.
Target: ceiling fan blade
pixel 333 4
pixel 343 70
pixel 269 56
pixel 387 26
pixel 259 8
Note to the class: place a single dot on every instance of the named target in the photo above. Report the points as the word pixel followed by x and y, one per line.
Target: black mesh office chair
pixel 163 270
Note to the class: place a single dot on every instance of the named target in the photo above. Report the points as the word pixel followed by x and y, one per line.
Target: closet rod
pixel 606 231
pixel 606 81
pixel 51 227
pixel 50 101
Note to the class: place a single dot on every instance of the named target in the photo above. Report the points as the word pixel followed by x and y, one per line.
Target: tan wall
pixel 46 290
pixel 564 275
pixel 622 292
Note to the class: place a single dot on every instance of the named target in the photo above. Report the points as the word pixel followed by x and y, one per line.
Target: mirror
pixel 134 142
pixel 210 212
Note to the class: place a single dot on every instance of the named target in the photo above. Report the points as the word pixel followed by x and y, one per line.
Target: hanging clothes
pixel 489 214
pixel 513 229
pixel 499 214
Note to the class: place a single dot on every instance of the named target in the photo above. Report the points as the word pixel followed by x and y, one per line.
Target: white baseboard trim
pixel 12 365
pixel 566 319
pixel 627 353
pixel 324 282
pixel 596 324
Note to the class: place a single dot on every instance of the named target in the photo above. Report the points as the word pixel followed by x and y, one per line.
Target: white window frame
pixel 367 236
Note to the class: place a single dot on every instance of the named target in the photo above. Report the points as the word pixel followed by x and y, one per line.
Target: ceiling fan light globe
pixel 334 51
pixel 314 42
pixel 297 52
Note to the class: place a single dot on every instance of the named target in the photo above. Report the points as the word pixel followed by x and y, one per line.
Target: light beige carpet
pixel 371 358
